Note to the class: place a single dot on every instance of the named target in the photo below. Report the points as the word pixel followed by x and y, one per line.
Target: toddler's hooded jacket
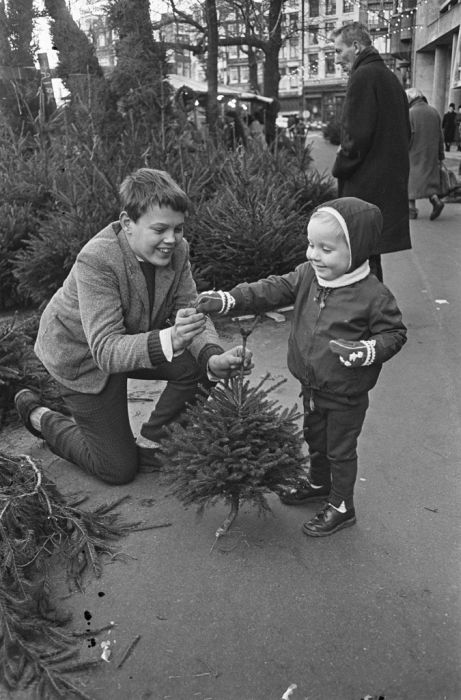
pixel 363 310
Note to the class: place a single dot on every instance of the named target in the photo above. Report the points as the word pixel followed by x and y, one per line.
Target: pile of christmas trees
pixel 40 528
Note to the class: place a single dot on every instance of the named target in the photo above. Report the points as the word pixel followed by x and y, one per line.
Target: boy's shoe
pixel 25 402
pixel 304 493
pixel 328 521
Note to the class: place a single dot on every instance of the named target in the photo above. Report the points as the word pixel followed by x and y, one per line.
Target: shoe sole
pixel 26 419
pixel 341 526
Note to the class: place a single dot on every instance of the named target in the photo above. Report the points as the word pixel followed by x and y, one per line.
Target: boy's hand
pixel 212 302
pixel 230 362
pixel 354 353
pixel 188 324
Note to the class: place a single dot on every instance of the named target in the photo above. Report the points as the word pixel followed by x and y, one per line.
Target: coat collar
pixel 368 55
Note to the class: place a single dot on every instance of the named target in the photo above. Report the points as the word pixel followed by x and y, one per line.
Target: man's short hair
pixel 146 188
pixel 354 31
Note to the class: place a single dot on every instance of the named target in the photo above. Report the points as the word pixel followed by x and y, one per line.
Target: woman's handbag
pixel 448 181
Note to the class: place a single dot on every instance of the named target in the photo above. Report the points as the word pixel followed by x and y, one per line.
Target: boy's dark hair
pixel 146 188
pixel 354 31
pixel 452 104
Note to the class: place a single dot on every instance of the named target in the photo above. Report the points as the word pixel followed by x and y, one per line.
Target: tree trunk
pixel 271 65
pixel 212 66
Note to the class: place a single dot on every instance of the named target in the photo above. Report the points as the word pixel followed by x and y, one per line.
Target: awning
pixel 201 87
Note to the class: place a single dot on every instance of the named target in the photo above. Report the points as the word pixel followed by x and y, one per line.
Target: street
pixel 373 610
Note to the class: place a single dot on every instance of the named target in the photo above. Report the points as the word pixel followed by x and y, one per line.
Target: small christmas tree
pixel 237 445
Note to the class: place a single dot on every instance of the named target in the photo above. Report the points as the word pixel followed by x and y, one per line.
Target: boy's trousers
pixel 98 437
pixel 331 431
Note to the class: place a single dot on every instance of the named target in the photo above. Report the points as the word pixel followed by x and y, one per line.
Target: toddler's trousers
pixel 98 436
pixel 331 431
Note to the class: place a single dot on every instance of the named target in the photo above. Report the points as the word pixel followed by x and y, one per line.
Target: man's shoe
pixel 437 207
pixel 328 521
pixel 26 401
pixel 413 213
pixel 304 493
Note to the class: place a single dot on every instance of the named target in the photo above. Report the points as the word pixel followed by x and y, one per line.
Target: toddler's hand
pixel 354 353
pixel 212 302
pixel 188 324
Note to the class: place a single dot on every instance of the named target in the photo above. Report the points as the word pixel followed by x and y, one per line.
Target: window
pixel 348 6
pixel 233 75
pixel 244 74
pixel 233 51
pixel 329 28
pixel 329 62
pixel 313 59
pixel 293 48
pixel 330 7
pixel 313 8
pixel 313 35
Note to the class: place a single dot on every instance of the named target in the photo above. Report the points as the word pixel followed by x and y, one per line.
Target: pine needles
pixel 237 445
pixel 38 526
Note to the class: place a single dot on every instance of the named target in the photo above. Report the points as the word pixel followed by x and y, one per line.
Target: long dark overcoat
pixel 426 150
pixel 372 162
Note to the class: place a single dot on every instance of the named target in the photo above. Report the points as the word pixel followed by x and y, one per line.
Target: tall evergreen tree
pixel 77 56
pixel 136 82
pixel 20 21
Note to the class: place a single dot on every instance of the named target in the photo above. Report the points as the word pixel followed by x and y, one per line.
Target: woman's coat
pixel 426 150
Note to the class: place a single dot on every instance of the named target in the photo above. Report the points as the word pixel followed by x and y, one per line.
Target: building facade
pixel 436 55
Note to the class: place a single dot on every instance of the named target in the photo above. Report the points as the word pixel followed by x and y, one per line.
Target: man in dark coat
pixel 372 162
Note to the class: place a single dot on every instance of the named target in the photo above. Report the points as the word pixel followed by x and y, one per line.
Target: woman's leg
pixel 98 437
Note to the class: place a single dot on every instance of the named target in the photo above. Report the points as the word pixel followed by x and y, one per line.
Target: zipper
pixel 321 298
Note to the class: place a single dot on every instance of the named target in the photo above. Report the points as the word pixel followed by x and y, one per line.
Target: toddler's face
pixel 327 250
pixel 155 235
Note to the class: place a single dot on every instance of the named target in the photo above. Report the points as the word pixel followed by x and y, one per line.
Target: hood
pixel 362 224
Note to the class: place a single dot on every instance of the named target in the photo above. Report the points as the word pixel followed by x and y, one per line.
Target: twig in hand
pixel 128 651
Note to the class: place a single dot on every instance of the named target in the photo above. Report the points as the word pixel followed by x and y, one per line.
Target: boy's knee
pixel 116 474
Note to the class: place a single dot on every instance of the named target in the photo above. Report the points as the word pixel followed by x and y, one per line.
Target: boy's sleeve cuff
pixel 154 348
pixel 205 354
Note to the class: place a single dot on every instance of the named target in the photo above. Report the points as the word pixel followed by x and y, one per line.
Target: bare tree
pixel 262 30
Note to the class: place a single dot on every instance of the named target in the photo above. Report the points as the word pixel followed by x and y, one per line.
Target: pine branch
pixel 37 524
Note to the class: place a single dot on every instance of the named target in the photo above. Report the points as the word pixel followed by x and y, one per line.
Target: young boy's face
pixel 327 250
pixel 154 236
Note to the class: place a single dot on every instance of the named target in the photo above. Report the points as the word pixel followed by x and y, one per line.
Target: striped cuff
pixel 154 348
pixel 205 354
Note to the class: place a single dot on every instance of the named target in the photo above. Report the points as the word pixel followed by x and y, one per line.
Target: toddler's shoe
pixel 328 521
pixel 26 401
pixel 304 493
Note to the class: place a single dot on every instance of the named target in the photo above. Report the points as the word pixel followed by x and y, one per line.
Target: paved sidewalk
pixel 372 610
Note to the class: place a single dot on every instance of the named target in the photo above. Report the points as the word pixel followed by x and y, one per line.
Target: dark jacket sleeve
pixel 387 327
pixel 358 125
pixel 266 294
